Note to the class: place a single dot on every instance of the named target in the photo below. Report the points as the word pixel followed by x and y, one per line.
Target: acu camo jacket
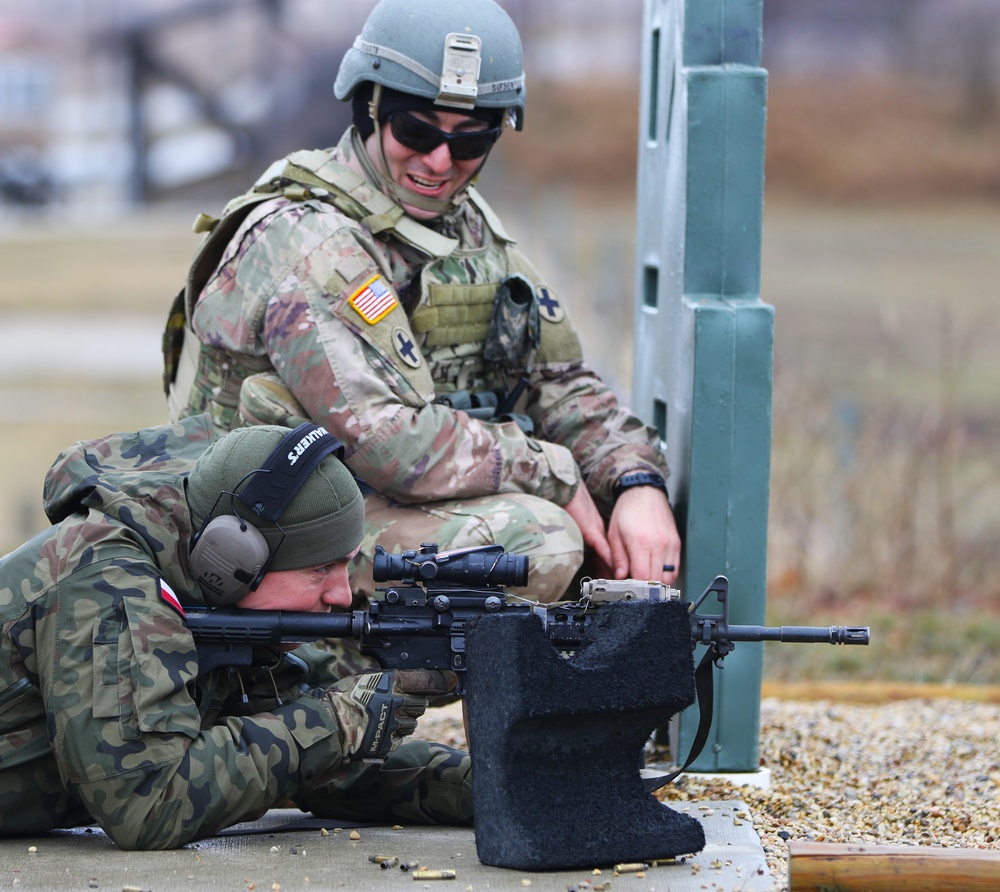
pixel 102 715
pixel 366 316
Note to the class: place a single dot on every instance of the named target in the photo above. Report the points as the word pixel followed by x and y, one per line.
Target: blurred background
pixel 120 120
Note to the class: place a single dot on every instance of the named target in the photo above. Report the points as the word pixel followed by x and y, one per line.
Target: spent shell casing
pixel 389 862
pixel 379 859
pixel 409 865
pixel 422 873
pixel 631 867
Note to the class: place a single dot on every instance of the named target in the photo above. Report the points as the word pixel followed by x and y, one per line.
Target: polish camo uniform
pixel 102 715
pixel 329 304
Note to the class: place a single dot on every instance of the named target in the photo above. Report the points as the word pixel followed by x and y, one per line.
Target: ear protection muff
pixel 229 559
pixel 230 556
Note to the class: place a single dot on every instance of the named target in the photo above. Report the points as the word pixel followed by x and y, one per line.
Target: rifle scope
pixel 478 566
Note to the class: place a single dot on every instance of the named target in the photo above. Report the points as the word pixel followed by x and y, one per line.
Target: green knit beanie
pixel 323 523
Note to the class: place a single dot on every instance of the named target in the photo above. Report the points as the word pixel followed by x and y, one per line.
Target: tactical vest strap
pixel 184 374
pixel 489 215
pixel 173 340
pixel 179 344
pixel 299 170
pixel 214 245
pixel 354 196
pixel 427 240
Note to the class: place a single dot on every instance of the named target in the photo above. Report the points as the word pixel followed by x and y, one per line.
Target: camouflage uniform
pixel 102 714
pixel 330 304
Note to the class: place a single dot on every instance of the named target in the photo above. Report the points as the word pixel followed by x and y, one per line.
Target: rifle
pixel 421 623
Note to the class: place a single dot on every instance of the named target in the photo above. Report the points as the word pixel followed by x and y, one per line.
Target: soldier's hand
pixel 583 510
pixel 429 682
pixel 643 536
pixel 377 710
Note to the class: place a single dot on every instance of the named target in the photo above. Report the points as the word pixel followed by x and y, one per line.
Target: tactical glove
pixel 377 710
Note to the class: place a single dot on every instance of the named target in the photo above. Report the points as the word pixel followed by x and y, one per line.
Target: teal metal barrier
pixel 703 338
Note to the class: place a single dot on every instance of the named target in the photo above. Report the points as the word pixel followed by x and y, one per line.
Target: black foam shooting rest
pixel 557 743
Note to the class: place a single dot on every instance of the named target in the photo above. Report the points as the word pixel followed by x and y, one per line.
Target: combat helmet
pixel 459 55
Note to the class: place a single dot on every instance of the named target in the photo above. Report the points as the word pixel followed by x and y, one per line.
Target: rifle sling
pixel 705 692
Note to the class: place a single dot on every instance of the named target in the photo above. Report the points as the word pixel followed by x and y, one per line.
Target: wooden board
pixel 866 868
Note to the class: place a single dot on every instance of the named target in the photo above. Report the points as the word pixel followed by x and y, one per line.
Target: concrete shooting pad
pixel 287 851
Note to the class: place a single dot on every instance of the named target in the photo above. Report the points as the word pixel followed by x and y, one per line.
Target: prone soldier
pixel 104 714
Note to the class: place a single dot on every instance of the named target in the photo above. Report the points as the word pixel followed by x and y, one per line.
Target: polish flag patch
pixel 167 594
pixel 373 300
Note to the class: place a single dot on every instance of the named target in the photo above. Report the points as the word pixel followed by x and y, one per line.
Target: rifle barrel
pixel 801 634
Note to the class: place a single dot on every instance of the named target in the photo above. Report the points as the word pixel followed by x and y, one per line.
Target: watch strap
pixel 638 478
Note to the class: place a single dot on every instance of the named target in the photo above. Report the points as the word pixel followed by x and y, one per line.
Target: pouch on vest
pixel 515 327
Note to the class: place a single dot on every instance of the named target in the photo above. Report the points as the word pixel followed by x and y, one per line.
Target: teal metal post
pixel 703 338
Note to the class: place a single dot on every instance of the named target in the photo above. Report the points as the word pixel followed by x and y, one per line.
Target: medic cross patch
pixel 405 347
pixel 373 300
pixel 549 307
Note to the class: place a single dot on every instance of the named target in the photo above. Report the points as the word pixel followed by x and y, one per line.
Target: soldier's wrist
pixel 635 479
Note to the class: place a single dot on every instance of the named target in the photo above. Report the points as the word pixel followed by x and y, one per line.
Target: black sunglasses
pixel 419 136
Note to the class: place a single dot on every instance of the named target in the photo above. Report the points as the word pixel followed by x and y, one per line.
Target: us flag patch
pixel 373 300
pixel 167 593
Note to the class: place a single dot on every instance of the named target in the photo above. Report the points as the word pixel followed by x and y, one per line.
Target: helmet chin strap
pixel 396 190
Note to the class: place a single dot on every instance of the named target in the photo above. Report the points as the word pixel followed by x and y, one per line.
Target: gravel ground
pixel 911 772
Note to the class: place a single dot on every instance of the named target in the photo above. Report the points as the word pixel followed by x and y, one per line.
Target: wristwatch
pixel 638 478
